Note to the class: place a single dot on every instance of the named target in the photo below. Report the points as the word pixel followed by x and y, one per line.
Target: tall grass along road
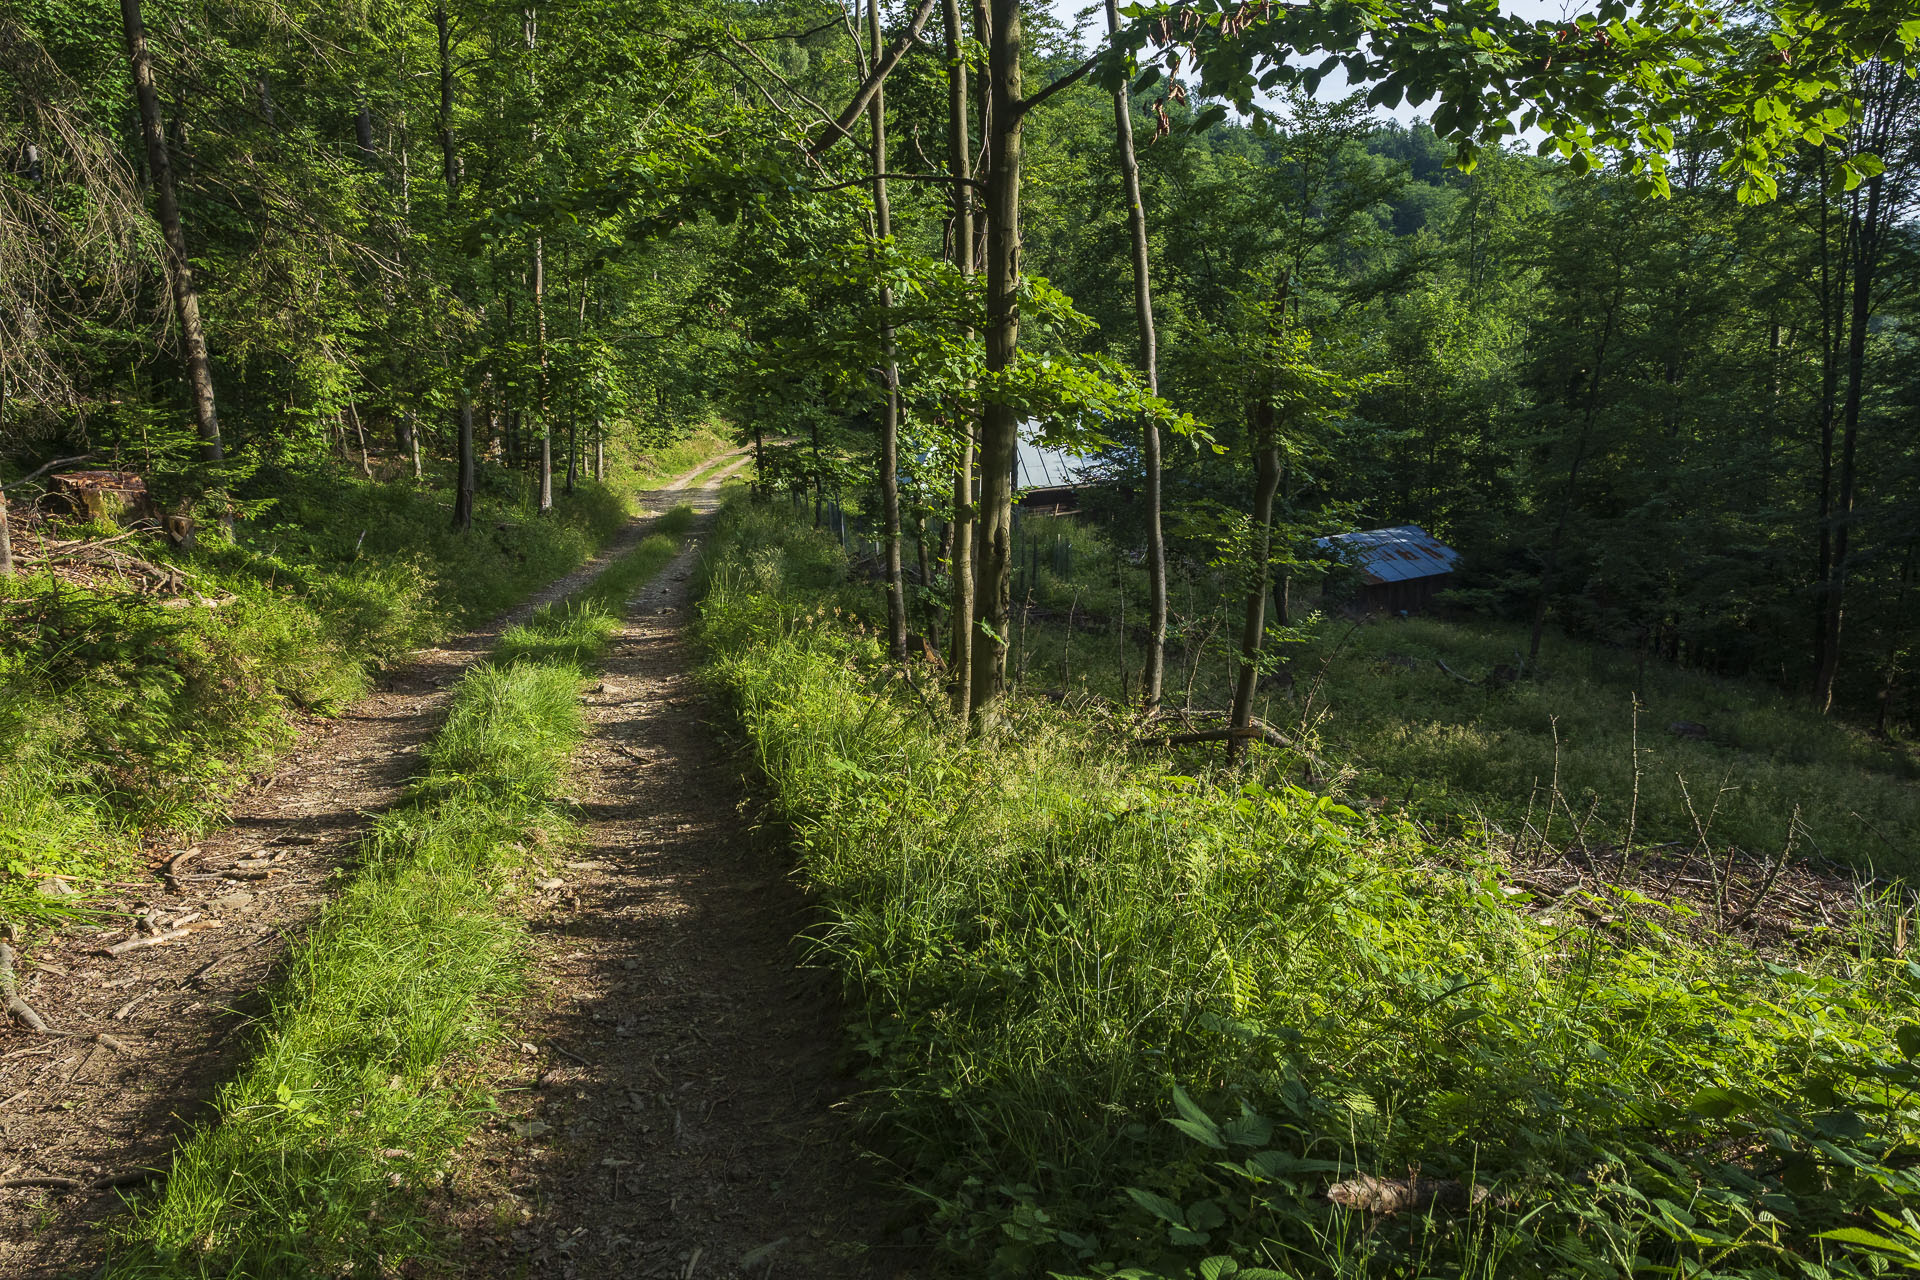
pixel 1122 1021
pixel 147 1006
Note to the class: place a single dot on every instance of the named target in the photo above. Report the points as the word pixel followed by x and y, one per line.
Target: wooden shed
pixel 1401 569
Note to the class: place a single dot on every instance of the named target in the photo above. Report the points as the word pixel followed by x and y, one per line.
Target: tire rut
pixel 672 1103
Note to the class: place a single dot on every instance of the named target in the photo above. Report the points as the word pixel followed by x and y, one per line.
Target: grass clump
pixel 122 714
pixel 1123 1022
pixel 344 1116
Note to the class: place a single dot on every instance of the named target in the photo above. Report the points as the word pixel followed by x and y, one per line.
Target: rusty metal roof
pixel 1393 555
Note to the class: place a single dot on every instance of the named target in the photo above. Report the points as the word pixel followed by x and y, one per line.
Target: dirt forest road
pixel 671 1102
pixel 143 1039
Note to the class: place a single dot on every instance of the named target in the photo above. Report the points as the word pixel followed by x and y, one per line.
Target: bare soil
pixel 671 1099
pixel 138 1042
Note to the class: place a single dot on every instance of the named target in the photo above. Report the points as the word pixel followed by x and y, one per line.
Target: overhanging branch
pixel 842 125
pixel 1066 81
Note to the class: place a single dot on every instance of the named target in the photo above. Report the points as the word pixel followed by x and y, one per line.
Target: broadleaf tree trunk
pixel 573 400
pixel 890 369
pixel 930 613
pixel 186 299
pixel 1253 627
pixel 463 493
pixel 6 527
pixel 960 563
pixel 1550 569
pixel 1153 674
pixel 540 347
pixel 1865 236
pixel 999 428
pixel 1832 329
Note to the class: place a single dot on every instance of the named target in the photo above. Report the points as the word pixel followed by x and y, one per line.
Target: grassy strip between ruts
pixel 1120 1022
pixel 324 1144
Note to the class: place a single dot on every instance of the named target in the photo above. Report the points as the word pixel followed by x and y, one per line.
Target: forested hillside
pixel 1197 909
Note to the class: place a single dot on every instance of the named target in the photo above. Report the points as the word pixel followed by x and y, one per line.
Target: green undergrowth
pixel 341 1121
pixel 123 714
pixel 1408 705
pixel 1122 1021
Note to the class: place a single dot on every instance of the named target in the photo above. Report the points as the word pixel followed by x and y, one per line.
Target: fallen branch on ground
pixel 1257 733
pixel 134 944
pixel 9 988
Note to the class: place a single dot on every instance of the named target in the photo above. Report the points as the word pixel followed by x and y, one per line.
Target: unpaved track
pixel 72 1107
pixel 671 1100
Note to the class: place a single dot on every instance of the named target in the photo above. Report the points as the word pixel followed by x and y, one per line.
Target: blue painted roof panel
pixel 1397 554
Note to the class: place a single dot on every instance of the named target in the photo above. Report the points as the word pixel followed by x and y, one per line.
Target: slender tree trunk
pixel 186 300
pixel 599 450
pixel 960 564
pixel 1889 686
pixel 575 461
pixel 1551 568
pixel 890 410
pixel 1831 328
pixel 6 525
pixel 819 477
pixel 360 434
pixel 463 491
pixel 463 497
pixel 1253 626
pixel 1152 676
pixel 999 428
pixel 983 103
pixel 363 134
pixel 540 346
pixel 449 153
pixel 1865 236
pixel 929 612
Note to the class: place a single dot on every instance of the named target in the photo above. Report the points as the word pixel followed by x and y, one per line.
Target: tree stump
pixel 102 495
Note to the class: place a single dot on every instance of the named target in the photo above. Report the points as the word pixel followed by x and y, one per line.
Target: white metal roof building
pixel 1045 475
pixel 1401 568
